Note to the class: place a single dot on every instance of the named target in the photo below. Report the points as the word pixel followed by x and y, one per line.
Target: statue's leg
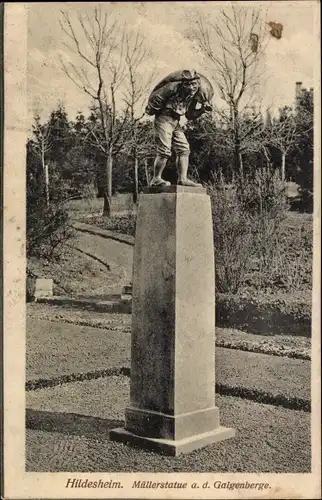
pixel 163 130
pixel 182 149
pixel 159 165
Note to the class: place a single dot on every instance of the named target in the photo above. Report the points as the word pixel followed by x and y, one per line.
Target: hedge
pixel 267 314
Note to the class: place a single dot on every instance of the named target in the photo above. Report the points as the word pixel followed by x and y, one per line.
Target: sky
pixel 164 25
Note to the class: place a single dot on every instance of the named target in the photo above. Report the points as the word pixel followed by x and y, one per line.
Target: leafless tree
pixel 97 41
pixel 139 76
pixel 283 135
pixel 233 47
pixel 221 132
pixel 42 145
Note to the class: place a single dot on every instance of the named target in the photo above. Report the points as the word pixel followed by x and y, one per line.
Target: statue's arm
pixel 159 98
pixel 193 113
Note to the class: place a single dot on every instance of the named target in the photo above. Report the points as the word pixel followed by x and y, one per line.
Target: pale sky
pixel 287 60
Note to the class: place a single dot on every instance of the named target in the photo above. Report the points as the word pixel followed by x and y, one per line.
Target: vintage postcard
pixel 161 243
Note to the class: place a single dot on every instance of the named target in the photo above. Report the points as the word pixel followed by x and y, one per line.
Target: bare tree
pixel 285 132
pixel 42 145
pixel 137 83
pixel 221 132
pixel 98 43
pixel 233 47
pixel 282 135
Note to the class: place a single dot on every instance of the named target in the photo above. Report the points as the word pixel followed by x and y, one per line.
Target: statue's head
pixel 190 81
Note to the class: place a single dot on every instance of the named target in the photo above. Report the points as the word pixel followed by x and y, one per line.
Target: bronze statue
pixel 183 93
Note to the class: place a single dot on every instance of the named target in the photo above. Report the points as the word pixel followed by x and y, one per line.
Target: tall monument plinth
pixel 172 396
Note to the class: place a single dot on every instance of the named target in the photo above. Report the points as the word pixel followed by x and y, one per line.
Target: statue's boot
pixel 158 181
pixel 159 165
pixel 188 182
pixel 182 168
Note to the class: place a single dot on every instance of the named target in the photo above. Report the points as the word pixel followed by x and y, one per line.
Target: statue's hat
pixel 188 75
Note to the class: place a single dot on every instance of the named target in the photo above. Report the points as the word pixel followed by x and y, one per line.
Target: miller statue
pixel 182 93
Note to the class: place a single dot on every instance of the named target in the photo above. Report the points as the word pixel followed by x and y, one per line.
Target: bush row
pixel 265 314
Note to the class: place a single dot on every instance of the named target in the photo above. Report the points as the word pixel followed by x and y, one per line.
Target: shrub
pixel 47 229
pixel 304 202
pixel 291 265
pixel 247 220
pixel 262 194
pixel 264 198
pixel 262 313
pixel 233 239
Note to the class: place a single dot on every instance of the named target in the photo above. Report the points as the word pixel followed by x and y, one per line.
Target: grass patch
pixel 88 207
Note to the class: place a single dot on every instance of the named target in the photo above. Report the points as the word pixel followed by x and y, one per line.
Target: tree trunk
pixel 236 159
pixel 283 167
pixel 45 174
pixel 268 159
pixel 109 166
pixel 107 205
pixel 136 180
pixel 47 184
pixel 147 176
pixel 241 166
pixel 108 186
pixel 235 123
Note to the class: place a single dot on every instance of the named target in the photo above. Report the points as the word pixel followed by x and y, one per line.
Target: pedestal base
pixel 170 447
pixel 154 424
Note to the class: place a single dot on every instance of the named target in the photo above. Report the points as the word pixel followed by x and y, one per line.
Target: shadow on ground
pixel 105 297
pixel 100 303
pixel 70 423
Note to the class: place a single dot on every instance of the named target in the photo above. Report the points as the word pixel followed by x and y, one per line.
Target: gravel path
pixel 104 233
pixel 60 437
pixel 118 255
pixel 278 345
pixel 55 348
pixel 67 425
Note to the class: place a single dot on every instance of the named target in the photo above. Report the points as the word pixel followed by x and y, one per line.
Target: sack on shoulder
pixel 205 92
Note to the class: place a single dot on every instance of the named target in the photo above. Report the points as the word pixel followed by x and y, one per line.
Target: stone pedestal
pixel 172 406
